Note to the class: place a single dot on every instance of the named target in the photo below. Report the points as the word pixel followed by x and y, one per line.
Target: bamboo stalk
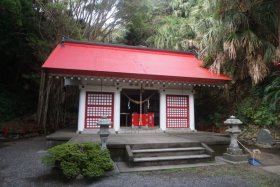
pixel 44 122
pixel 41 98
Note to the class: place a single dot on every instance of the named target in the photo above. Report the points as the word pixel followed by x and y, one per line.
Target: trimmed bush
pixel 85 159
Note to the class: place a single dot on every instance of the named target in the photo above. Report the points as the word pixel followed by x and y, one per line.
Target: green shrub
pixel 216 118
pixel 87 159
pixel 15 104
pixel 252 111
pixel 272 92
pixel 245 110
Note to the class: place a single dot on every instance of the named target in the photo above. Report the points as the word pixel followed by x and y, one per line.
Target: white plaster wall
pixel 82 104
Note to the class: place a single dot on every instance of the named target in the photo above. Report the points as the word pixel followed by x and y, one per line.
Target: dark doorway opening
pixel 130 109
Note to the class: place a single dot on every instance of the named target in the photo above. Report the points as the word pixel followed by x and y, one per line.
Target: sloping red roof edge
pixel 76 72
pixel 69 72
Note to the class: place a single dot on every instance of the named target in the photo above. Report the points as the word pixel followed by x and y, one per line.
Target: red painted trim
pixel 85 123
pixel 179 107
pixel 101 105
pixel 179 117
pixel 95 117
pixel 71 72
pixel 176 107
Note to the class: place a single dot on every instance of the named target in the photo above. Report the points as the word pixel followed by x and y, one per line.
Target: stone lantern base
pixel 236 158
pixel 235 154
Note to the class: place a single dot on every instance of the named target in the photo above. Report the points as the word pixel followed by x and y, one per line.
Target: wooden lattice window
pixel 177 111
pixel 98 104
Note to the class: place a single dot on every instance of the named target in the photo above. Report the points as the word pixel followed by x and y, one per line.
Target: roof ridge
pixel 70 40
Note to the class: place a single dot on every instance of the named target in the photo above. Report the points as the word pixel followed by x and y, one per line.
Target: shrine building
pixel 136 87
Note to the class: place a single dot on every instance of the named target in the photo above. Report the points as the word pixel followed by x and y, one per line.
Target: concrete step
pixel 136 130
pixel 145 159
pixel 166 145
pixel 168 154
pixel 168 151
pixel 171 160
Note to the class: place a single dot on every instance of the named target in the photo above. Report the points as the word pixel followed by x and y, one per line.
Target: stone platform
pixel 166 146
pixel 141 137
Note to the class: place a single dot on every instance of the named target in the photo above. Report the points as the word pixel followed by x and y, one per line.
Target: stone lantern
pixel 234 153
pixel 104 124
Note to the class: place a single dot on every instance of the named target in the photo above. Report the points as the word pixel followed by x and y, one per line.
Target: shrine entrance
pixel 139 110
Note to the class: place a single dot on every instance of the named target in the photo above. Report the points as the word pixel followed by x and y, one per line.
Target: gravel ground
pixel 20 165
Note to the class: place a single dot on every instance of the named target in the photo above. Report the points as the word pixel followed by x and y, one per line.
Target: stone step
pixel 168 149
pixel 168 154
pixel 166 145
pixel 171 160
pixel 181 157
pixel 143 130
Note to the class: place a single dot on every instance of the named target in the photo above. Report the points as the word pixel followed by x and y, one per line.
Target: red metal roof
pixel 95 59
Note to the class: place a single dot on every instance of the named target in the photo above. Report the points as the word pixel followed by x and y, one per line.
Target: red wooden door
pixel 177 111
pixel 98 104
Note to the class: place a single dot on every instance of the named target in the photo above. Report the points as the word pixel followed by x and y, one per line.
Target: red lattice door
pixel 177 111
pixel 97 105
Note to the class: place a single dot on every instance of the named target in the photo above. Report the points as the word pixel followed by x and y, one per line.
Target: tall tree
pixel 51 23
pixel 235 37
pixel 139 18
pixel 16 18
pixel 249 39
pixel 97 18
pixel 171 32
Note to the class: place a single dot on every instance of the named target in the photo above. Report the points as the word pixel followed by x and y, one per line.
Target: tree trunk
pixel 41 97
pixel 46 105
pixel 54 102
pixel 278 23
pixel 278 27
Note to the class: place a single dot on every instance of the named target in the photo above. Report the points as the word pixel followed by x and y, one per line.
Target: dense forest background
pixel 239 38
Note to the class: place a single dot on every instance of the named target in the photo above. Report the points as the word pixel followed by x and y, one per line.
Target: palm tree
pixel 236 37
pixel 243 38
